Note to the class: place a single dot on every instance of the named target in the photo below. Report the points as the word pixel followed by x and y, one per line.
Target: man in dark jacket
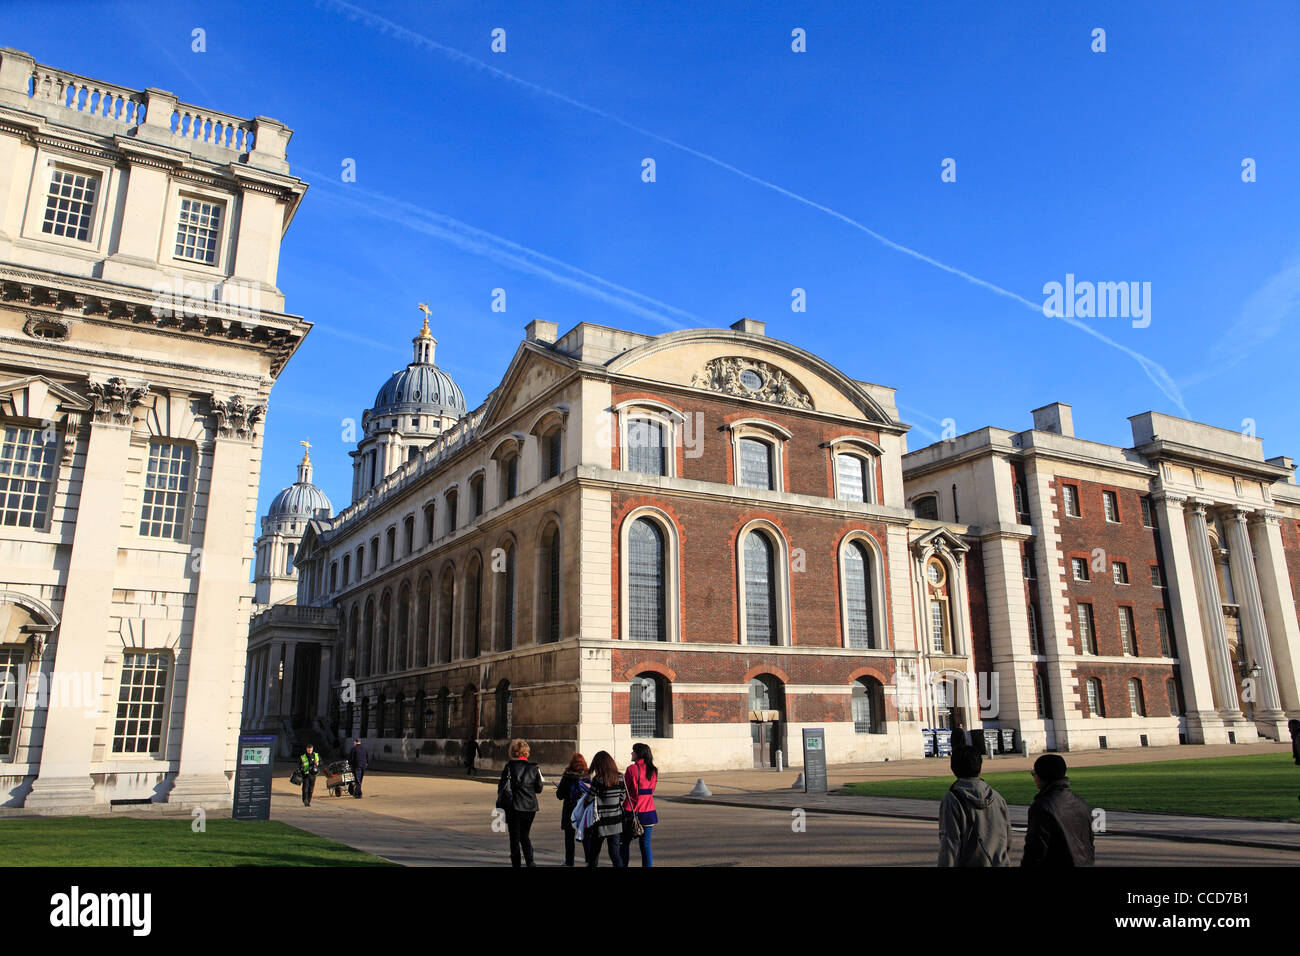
pixel 974 825
pixel 1060 824
pixel 471 752
pixel 308 766
pixel 359 759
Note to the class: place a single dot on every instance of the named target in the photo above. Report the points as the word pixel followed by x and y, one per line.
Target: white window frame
pixel 672 575
pixel 1070 494
pixel 1088 635
pixel 1078 565
pixel 862 448
pixel 1096 698
pixel 225 240
pixel 1127 621
pixel 223 222
pixel 46 163
pixel 669 419
pixel 1118 570
pixel 168 701
pixel 1110 506
pixel 191 494
pixel 762 430
pixel 55 450
pixel 781 567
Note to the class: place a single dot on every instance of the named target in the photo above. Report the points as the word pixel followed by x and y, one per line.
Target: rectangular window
pixel 1156 580
pixel 451 512
pixel 476 497
pixel 141 703
pixel 27 469
pixel 409 528
pixel 391 542
pixel 1080 568
pixel 1028 560
pixel 1166 643
pixel 1127 637
pixel 551 454
pixel 1035 640
pixel 1110 502
pixel 198 230
pixel 852 477
pixel 13 680
pixel 1119 572
pixel 1071 495
pixel 1094 699
pixel 428 524
pixel 1087 635
pixel 936 627
pixel 645 446
pixel 70 205
pixel 755 464
pixel 165 509
pixel 1148 513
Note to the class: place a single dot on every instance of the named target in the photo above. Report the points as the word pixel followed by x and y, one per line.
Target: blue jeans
pixel 625 849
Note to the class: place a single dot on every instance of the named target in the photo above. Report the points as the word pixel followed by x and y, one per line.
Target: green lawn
pixel 1257 786
pixel 124 841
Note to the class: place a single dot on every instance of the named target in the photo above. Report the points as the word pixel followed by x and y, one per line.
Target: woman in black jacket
pixel 521 782
pixel 571 788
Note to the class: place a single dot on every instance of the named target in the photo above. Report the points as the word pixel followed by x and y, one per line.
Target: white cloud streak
pixel 1154 371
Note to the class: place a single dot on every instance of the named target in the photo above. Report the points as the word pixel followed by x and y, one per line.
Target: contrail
pixel 505 251
pixel 1154 371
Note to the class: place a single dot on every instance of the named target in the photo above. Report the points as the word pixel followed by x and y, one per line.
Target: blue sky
pixel 522 170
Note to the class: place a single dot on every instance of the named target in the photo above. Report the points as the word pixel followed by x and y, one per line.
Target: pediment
pixel 532 372
pixel 939 539
pixel 39 397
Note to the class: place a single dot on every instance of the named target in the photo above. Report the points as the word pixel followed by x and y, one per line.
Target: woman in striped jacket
pixel 609 793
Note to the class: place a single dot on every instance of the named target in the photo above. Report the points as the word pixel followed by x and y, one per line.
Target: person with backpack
pixel 571 788
pixel 521 781
pixel 606 797
pixel 640 779
pixel 974 824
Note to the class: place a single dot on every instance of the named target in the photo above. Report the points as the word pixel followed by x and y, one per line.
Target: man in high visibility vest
pixel 309 762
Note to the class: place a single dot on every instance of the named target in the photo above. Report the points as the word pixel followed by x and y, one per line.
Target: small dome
pixel 420 389
pixel 305 500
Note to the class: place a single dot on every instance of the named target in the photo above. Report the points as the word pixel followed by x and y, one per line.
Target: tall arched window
pixel 423 636
pixel 353 627
pixel 859 610
pixel 385 622
pixel 1096 701
pixel 868 703
pixel 645 446
pixel 648 706
pixel 551 452
pixel 446 616
pixel 645 582
pixel 443 715
pixel 548 586
pixel 1137 704
pixel 760 590
pixel 367 639
pixel 504 579
pixel 1035 640
pixel 473 617
pixel 1040 694
pixel 508 474
pixel 403 626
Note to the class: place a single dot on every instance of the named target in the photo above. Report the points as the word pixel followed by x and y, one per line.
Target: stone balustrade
pixel 296 614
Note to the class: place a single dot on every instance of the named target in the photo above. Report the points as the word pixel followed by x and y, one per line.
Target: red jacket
pixel 640 789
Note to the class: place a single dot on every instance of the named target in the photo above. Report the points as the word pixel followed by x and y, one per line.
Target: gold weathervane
pixel 424 307
pixel 306 450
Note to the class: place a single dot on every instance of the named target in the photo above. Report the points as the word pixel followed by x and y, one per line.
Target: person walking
pixel 471 752
pixel 358 760
pixel 610 794
pixel 1294 727
pixel 521 782
pixel 1060 823
pixel 571 788
pixel 639 779
pixel 974 823
pixel 309 766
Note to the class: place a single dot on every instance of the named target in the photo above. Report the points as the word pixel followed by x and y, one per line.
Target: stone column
pixel 1221 671
pixel 1009 644
pixel 1283 628
pixel 1268 709
pixel 64 781
pixel 214 639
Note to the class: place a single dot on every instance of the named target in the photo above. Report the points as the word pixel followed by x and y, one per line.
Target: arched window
pixel 473 616
pixel 868 702
pixel 853 477
pixel 1137 704
pixel 1096 701
pixel 859 610
pixel 446 617
pixel 646 446
pixel 759 588
pixel 367 639
pixel 505 711
pixel 1035 640
pixel 648 706
pixel 504 580
pixel 1175 692
pixel 365 716
pixel 451 510
pixel 548 586
pixel 551 452
pixel 508 477
pixel 927 506
pixel 423 636
pixel 381 665
pixel 403 626
pixel 353 627
pixel 469 711
pixel 1040 696
pixel 755 463
pixel 1020 498
pixel 476 496
pixel 645 582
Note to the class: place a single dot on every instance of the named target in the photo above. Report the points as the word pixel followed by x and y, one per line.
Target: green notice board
pixel 814 760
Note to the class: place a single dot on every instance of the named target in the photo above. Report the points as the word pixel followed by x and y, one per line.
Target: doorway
pixel 766 719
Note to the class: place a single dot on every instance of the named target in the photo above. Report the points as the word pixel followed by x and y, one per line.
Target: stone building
pixel 141 330
pixel 711 539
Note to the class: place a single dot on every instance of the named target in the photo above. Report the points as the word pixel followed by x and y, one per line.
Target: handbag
pixel 505 791
pixel 634 819
pixel 296 778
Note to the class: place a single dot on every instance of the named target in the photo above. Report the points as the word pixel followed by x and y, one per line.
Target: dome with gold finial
pixel 302 499
pixel 421 388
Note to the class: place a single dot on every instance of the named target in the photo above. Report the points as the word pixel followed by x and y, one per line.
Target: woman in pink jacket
pixel 640 779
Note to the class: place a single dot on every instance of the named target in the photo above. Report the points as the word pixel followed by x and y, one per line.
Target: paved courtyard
pixel 440 818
